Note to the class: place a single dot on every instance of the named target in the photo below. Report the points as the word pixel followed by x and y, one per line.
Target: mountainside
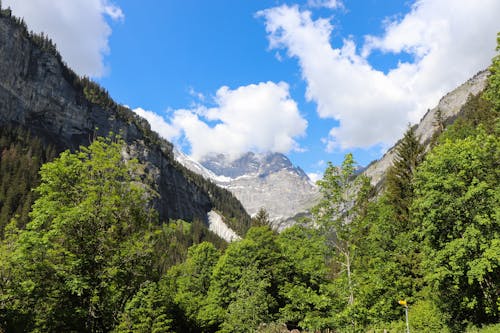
pixel 267 181
pixel 447 109
pixel 40 93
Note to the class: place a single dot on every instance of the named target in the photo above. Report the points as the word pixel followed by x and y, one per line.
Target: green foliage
pixel 88 246
pixel 337 216
pixel 390 256
pixel 309 297
pixel 258 250
pixel 175 238
pixel 149 311
pixel 192 282
pixel 261 219
pixel 492 92
pixel 485 329
pixel 399 187
pixel 457 203
pixel 252 304
pixel 426 317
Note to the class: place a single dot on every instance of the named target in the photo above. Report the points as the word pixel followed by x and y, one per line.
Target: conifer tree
pixel 261 219
pixel 399 188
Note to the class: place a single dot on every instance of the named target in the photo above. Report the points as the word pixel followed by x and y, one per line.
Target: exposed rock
pixel 217 226
pixel 449 106
pixel 267 181
pixel 38 92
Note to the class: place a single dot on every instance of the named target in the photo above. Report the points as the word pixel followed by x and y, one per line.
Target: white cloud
pixel 158 123
pixel 78 27
pixel 257 117
pixel 374 107
pixel 332 4
pixel 315 176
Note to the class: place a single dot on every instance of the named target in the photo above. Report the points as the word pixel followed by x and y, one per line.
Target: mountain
pixel 267 181
pixel 448 108
pixel 38 92
pixel 272 182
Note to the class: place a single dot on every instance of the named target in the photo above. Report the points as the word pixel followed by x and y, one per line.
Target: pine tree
pixel 261 219
pixel 399 188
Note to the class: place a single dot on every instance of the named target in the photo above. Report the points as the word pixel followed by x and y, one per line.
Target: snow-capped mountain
pixel 266 180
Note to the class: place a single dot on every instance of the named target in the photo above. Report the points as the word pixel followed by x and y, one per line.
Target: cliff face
pixel 38 92
pixel 449 106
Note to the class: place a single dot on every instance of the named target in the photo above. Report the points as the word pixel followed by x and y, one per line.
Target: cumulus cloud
pixel 315 176
pixel 78 27
pixel 257 117
pixel 158 124
pixel 331 4
pixel 371 106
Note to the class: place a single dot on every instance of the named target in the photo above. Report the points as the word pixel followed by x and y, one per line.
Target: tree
pixel 88 246
pixel 258 250
pixel 150 310
pixel 261 219
pixel 399 187
pixel 252 304
pixel 335 214
pixel 458 205
pixel 310 299
pixel 192 281
pixel 492 92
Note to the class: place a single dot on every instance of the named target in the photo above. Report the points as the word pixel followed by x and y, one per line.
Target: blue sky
pixel 314 79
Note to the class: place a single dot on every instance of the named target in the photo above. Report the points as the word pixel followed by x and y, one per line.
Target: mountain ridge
pixel 449 107
pixel 39 92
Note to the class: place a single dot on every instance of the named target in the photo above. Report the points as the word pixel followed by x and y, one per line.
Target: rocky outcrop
pixel 449 107
pixel 38 92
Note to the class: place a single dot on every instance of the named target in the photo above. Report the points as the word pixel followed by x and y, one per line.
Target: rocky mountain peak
pixel 268 180
pixel 249 164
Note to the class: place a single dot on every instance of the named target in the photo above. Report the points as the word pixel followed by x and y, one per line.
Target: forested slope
pixel 39 93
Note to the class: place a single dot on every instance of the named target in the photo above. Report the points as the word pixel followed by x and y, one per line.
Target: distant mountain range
pixel 268 181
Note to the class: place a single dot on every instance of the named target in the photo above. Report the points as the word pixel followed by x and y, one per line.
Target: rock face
pixel 449 106
pixel 267 181
pixel 38 92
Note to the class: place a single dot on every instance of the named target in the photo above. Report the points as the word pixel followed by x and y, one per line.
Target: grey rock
pixel 449 106
pixel 36 92
pixel 268 181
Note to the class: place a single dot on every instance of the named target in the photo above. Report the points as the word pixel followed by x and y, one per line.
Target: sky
pixel 313 79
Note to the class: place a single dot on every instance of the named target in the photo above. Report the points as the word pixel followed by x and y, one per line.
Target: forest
pixel 82 249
